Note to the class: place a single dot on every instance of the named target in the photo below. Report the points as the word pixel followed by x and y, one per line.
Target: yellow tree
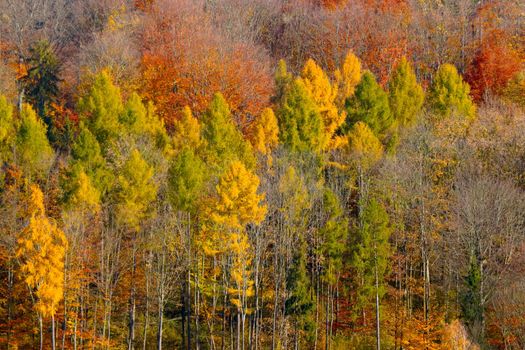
pixel 236 205
pixel 347 78
pixel 187 132
pixel 264 132
pixel 323 93
pixel 41 249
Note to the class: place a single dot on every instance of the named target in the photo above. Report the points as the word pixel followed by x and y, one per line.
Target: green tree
pixel 405 95
pixel 34 154
pixel 369 104
pixel 135 189
pixel 300 123
pixel 101 106
pixel 224 141
pixel 283 80
pixel 41 82
pixel 7 129
pixel 450 94
pixel 371 257
pixel 187 179
pixel 471 303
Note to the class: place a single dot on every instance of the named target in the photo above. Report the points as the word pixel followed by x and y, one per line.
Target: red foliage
pixel 495 63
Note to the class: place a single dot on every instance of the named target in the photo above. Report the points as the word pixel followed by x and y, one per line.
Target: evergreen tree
pixel 371 254
pixel 224 141
pixel 405 95
pixel 135 189
pixel 300 123
pixel 34 153
pixel 186 179
pixel 370 105
pixel 364 147
pixel 471 303
pixel 450 94
pixel 7 130
pixel 101 107
pixel 283 81
pixel 187 132
pixel 41 81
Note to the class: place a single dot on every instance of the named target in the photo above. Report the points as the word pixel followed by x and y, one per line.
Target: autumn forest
pixel 262 174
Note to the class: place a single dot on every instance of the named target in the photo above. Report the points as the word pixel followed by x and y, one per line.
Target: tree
pixel 405 95
pixel 41 81
pixel 187 132
pixel 371 258
pixel 34 153
pixel 283 81
pixel 300 123
pixel 494 65
pixel 364 147
pixel 41 248
pixel 347 77
pixel 264 132
pixel 101 107
pixel 450 94
pixel 187 176
pixel 7 129
pixel 224 141
pixel 134 189
pixel 323 94
pixel 370 105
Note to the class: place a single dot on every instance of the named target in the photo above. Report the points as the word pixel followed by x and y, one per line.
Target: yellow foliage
pixel 323 93
pixel 187 131
pixel 264 132
pixel 347 78
pixel 363 146
pixel 41 248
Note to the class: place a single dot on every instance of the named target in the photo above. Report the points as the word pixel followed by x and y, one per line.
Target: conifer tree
pixel 41 81
pixel 34 153
pixel 187 132
pixel 371 258
pixel 323 94
pixel 300 123
pixel 186 178
pixel 135 189
pixel 370 105
pixel 224 141
pixel 101 108
pixel 41 248
pixel 347 78
pixel 7 129
pixel 450 94
pixel 364 147
pixel 264 132
pixel 405 95
pixel 283 80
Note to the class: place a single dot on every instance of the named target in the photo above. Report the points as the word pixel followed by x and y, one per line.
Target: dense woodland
pixel 262 174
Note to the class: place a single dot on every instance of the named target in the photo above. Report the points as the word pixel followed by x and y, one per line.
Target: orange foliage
pixel 495 63
pixel 185 61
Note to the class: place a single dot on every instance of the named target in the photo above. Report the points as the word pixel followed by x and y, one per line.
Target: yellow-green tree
pixel 364 147
pixel 7 129
pixel 450 94
pixel 34 154
pixel 41 250
pixel 187 132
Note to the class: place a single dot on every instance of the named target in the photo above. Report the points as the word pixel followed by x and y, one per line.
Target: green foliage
pixel 101 107
pixel 471 304
pixel 372 252
pixel 299 304
pixel 135 189
pixel 333 235
pixel 370 104
pixel 300 124
pixel 41 81
pixel 86 153
pixel 34 154
pixel 405 95
pixel 224 141
pixel 283 80
pixel 80 194
pixel 450 94
pixel 187 176
pixel 7 129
